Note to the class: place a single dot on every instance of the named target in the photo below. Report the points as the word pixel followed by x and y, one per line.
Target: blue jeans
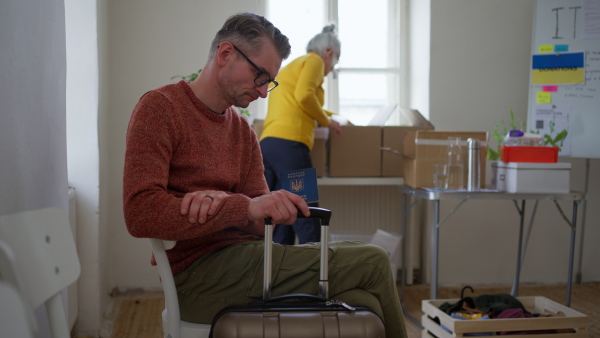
pixel 280 155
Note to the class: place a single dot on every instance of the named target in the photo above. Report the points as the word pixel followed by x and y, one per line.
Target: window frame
pixel 398 40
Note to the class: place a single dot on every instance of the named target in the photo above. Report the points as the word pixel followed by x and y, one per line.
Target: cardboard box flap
pixel 412 118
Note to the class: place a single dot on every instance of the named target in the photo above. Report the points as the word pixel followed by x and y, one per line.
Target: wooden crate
pixel 571 320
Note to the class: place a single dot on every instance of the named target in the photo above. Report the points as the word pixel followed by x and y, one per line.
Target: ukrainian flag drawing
pixel 561 68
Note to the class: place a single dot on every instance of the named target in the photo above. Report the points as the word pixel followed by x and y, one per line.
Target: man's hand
pixel 198 205
pixel 281 205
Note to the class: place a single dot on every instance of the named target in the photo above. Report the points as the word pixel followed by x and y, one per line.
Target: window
pixel 370 73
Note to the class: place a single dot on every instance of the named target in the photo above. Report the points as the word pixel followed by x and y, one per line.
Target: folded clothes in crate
pixel 525 316
pixel 461 317
pixel 520 313
pixel 490 304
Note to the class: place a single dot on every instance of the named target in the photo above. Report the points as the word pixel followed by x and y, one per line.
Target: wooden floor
pixel 139 316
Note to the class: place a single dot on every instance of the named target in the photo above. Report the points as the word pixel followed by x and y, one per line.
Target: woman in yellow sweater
pixel 294 110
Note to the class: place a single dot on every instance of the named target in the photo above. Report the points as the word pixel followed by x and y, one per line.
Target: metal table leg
pixel 515 288
pixel 435 236
pixel 571 252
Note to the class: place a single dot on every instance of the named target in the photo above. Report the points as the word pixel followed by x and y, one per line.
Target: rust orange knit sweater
pixel 176 145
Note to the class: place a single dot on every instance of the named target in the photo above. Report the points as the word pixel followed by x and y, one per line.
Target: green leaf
pixel 548 140
pixel 561 136
pixel 512 119
pixel 492 155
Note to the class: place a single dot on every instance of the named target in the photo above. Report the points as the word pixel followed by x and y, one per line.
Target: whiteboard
pixel 569 26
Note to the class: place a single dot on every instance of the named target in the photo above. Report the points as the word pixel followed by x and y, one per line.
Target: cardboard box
pixel 318 154
pixel 358 152
pixel 424 148
pixel 537 177
pixel 257 125
pixel 561 318
pixel 392 146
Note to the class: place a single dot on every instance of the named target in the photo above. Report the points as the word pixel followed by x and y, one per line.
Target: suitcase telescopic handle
pixel 325 216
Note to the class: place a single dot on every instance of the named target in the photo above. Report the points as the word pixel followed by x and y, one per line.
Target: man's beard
pixel 232 92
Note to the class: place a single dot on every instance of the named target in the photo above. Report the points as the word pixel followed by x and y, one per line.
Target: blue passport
pixel 302 182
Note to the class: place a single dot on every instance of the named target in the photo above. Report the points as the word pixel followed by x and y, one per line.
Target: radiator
pixel 361 210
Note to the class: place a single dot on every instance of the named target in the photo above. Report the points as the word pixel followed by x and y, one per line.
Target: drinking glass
pixel 441 173
pixel 455 162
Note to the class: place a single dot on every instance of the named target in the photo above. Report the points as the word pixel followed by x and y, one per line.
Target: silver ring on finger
pixel 209 196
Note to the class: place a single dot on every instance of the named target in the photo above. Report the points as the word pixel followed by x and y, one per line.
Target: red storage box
pixel 529 154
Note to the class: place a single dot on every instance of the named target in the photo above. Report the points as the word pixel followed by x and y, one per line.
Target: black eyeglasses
pixel 261 78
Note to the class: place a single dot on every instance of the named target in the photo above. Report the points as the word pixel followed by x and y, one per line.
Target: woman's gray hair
pixel 325 40
pixel 247 31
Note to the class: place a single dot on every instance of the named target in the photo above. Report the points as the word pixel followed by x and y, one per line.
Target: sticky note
pixel 546 48
pixel 543 97
pixel 561 48
pixel 550 88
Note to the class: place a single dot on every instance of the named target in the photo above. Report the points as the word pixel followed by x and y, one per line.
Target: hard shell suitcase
pixel 298 315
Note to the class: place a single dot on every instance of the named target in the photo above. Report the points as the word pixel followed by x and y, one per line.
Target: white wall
pixel 33 165
pixel 478 69
pixel 83 154
pixel 419 54
pixel 148 43
pixel 480 53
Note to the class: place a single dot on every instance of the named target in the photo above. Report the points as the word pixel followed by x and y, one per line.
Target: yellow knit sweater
pixel 296 105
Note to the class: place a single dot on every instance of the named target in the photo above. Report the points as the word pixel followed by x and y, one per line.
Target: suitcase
pixel 298 315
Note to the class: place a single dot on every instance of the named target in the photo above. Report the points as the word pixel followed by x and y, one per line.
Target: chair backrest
pixel 45 260
pixel 10 278
pixel 14 318
pixel 8 268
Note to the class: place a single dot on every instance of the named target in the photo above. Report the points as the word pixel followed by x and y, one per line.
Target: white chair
pixel 42 261
pixel 14 319
pixel 173 326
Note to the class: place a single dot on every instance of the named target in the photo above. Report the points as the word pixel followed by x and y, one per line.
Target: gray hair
pixel 248 31
pixel 325 40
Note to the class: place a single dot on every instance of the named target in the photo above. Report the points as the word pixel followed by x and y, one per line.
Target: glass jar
pixel 455 162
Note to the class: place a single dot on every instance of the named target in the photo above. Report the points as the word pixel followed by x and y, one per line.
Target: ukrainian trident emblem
pixel 297 185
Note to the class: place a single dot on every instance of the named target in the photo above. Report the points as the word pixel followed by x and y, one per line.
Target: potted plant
pixel 501 130
pixel 494 155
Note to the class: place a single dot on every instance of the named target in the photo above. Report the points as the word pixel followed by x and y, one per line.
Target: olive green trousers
pixel 359 274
